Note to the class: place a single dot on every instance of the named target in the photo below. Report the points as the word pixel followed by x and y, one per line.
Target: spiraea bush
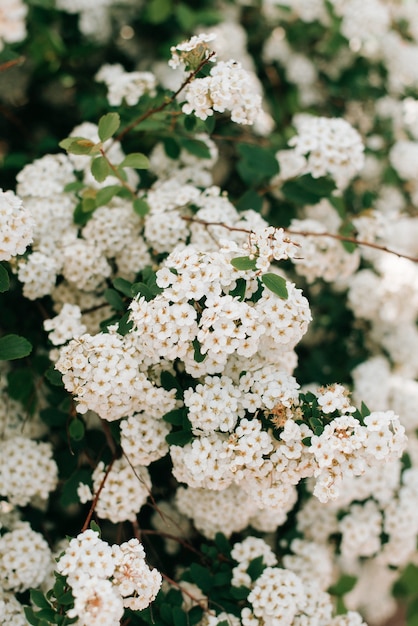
pixel 208 312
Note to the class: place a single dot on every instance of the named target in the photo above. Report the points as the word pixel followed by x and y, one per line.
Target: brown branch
pixel 358 242
pixel 165 104
pixel 179 540
pixel 96 496
pixel 8 64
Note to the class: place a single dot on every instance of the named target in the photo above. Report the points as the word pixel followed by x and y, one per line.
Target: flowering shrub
pixel 209 305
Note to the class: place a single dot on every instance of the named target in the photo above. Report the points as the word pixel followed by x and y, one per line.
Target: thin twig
pixel 165 104
pixel 358 242
pixel 8 64
pixel 96 496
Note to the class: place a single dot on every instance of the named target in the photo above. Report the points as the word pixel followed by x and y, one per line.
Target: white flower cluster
pixel 192 52
pixel 330 145
pixel 268 245
pixel 66 325
pixel 227 88
pixel 103 373
pixel 25 558
pixel 126 489
pixel 122 85
pixel 27 470
pixel 319 256
pixel 186 168
pixel 16 226
pixel 281 598
pixel 11 611
pixel 12 21
pixel 105 579
pixel 244 552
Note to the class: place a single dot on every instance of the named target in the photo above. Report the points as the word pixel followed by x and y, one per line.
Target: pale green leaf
pixel 276 284
pixel 136 160
pixel 108 125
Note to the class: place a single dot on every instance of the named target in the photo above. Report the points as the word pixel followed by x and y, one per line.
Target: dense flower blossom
pixel 12 22
pixel 16 226
pixel 25 558
pixel 27 470
pixel 331 146
pixel 128 86
pixel 227 88
pixel 105 579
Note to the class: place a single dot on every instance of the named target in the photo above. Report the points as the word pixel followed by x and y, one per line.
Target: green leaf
pixel 201 577
pixel 276 284
pixel 322 186
pixel 210 121
pixel 406 585
pixel 114 299
pixel 31 615
pixel 158 11
pixel 14 347
pixel 348 230
pixel 250 200
pixel 175 416
pixel 195 615
pixel 95 527
pixel 4 279
pixel 54 376
pixel 171 147
pixel 125 324
pixel 143 290
pixel 240 593
pixel 317 426
pixel 54 417
pixel 256 164
pixel 222 543
pixel 100 169
pixel 196 147
pixel 179 438
pixel 198 356
pixel 365 411
pixel 136 160
pixel 38 599
pixel 124 286
pixel 168 382
pixel 104 195
pixel 77 145
pixel 76 430
pixel 166 613
pixel 141 207
pixel 88 205
pixel 74 187
pixel 344 585
pixel 256 568
pixel 108 125
pixel 69 492
pixel 244 263
pixel 307 190
pixel 179 616
pixel 240 289
pixel 190 122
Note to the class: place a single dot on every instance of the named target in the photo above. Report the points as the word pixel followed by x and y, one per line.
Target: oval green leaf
pixel 276 284
pixel 14 347
pixel 141 207
pixel 244 263
pixel 100 169
pixel 136 160
pixel 108 125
